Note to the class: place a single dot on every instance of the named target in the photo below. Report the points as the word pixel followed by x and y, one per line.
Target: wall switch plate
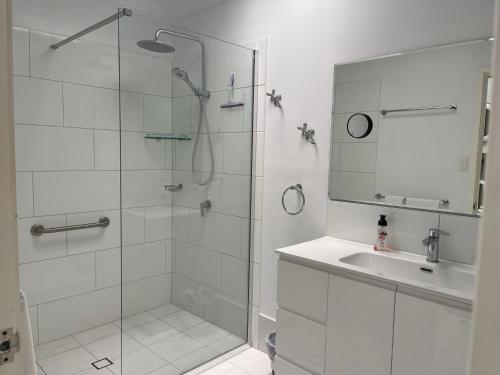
pixel 463 164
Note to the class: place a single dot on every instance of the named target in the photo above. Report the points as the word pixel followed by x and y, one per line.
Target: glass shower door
pixel 186 106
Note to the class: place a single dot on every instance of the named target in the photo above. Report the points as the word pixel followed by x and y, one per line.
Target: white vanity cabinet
pixel 359 327
pixel 332 322
pixel 429 338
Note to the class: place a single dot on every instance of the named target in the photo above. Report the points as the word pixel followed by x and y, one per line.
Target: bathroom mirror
pixel 410 129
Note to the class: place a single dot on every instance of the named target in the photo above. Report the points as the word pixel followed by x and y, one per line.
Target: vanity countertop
pixel 331 253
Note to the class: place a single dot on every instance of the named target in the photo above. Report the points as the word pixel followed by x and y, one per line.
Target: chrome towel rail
pixel 298 188
pixel 39 229
pixel 451 107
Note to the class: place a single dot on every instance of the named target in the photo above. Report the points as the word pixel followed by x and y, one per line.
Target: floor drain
pixel 102 363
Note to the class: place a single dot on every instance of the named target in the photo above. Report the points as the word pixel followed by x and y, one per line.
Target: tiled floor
pixel 163 341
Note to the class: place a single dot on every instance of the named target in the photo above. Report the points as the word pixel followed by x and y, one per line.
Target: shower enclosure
pixel 185 195
pixel 134 173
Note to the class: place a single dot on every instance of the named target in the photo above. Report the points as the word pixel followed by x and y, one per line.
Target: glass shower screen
pixel 186 106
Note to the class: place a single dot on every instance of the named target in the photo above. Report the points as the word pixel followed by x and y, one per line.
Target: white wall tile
pixel 358 222
pixel 216 231
pixel 49 148
pixel 358 157
pixel 198 264
pixel 54 279
pixel 132 111
pixel 181 114
pixel 107 150
pixel 82 241
pixel 141 153
pixel 108 268
pixel 61 192
pixel 188 294
pixel 238 153
pixel 181 222
pixel 258 198
pixel 33 311
pixel 335 156
pixel 37 101
pixel 145 188
pixel 353 186
pixel 157 114
pixel 235 277
pixel 357 96
pixel 191 194
pixel 230 194
pixel 143 260
pixel 35 248
pixel 133 226
pixel 168 255
pixel 145 73
pixel 258 154
pixel 158 220
pixel 462 242
pixel 24 194
pixel 222 119
pixel 90 107
pixel 183 152
pixel 255 284
pixel 143 295
pixel 71 315
pixel 78 62
pixel 20 49
pixel 256 242
pixel 227 313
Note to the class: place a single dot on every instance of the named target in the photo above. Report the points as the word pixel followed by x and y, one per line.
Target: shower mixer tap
pixel 204 206
pixel 307 134
pixel 275 99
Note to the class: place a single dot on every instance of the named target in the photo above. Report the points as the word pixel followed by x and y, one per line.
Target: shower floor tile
pixel 164 341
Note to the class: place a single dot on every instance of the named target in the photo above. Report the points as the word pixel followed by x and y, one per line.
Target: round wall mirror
pixel 359 125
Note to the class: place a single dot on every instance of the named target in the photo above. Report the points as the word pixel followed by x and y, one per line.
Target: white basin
pixel 445 275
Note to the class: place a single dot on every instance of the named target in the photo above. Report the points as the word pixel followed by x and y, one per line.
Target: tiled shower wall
pixel 68 163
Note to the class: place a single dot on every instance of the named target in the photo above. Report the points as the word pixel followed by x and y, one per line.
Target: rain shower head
pixel 155 46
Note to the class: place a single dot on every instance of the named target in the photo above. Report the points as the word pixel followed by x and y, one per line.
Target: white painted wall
pixel 305 40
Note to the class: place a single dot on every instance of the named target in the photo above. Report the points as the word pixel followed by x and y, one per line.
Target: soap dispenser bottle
pixel 381 243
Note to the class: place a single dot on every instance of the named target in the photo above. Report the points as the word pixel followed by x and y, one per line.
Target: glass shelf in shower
pixel 173 137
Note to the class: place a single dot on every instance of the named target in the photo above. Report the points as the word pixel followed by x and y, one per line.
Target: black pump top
pixel 382 222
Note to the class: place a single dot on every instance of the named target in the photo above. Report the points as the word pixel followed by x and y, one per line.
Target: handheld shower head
pixel 181 74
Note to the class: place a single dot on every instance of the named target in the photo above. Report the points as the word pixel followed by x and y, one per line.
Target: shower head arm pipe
pixel 193 38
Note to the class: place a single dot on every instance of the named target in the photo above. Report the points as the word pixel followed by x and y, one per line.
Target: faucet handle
pixel 435 233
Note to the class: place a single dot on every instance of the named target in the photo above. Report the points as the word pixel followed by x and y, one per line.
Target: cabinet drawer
pixel 303 290
pixel 283 367
pixel 301 340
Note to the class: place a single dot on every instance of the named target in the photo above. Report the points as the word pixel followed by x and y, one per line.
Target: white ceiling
pixel 168 10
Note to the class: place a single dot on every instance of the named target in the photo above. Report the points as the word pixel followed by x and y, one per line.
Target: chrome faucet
pixel 432 243
pixel 204 206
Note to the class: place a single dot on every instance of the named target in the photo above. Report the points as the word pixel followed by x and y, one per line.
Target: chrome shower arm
pixel 203 52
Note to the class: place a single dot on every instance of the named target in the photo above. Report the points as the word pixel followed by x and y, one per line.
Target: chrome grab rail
pixel 298 188
pixel 39 229
pixel 451 107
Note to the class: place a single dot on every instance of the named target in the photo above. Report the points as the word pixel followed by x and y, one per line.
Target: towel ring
pixel 298 188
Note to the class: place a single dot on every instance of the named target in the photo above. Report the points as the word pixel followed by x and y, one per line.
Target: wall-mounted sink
pixel 437 275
